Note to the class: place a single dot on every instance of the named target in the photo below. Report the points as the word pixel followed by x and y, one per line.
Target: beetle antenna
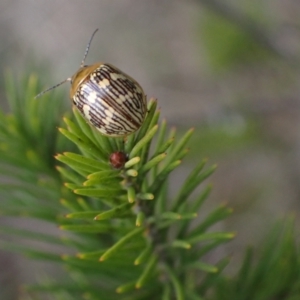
pixel 53 87
pixel 69 79
pixel 88 48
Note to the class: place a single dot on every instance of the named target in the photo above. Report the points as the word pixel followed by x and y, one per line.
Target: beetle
pixel 109 99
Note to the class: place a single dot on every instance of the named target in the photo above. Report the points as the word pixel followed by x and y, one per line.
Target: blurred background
pixel 230 68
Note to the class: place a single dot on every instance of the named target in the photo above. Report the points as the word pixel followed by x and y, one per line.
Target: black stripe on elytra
pixel 100 108
pixel 105 96
pixel 135 100
pixel 122 81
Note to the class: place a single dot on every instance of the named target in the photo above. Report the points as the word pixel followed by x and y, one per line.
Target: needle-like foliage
pixel 126 237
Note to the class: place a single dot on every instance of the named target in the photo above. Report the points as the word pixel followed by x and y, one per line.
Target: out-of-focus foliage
pixel 227 45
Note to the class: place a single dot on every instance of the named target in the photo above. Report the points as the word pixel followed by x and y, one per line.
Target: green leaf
pixel 87 146
pixel 71 186
pixel 175 282
pixel 90 255
pixel 196 204
pixel 127 287
pixel 153 162
pixel 104 192
pixel 129 142
pixel 145 196
pixel 173 154
pixel 74 129
pixel 194 173
pixel 96 164
pixel 69 175
pixel 190 185
pixel 162 176
pixel 148 270
pixel 131 194
pixel 169 215
pixel 84 204
pixel 94 228
pixel 146 149
pixel 132 173
pixel 76 165
pixel 146 124
pixel 163 147
pixel 211 279
pixel 115 212
pixel 132 162
pixel 140 218
pixel 217 215
pixel 111 182
pixel 143 141
pixel 211 236
pixel 101 175
pixel 245 270
pixel 188 216
pixel 161 136
pixel 203 267
pixel 84 126
pixel 166 292
pixel 209 246
pixel 143 255
pixel 120 243
pixel 181 244
pixel 89 215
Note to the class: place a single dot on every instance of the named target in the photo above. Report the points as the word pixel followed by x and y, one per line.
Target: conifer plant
pixel 125 236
